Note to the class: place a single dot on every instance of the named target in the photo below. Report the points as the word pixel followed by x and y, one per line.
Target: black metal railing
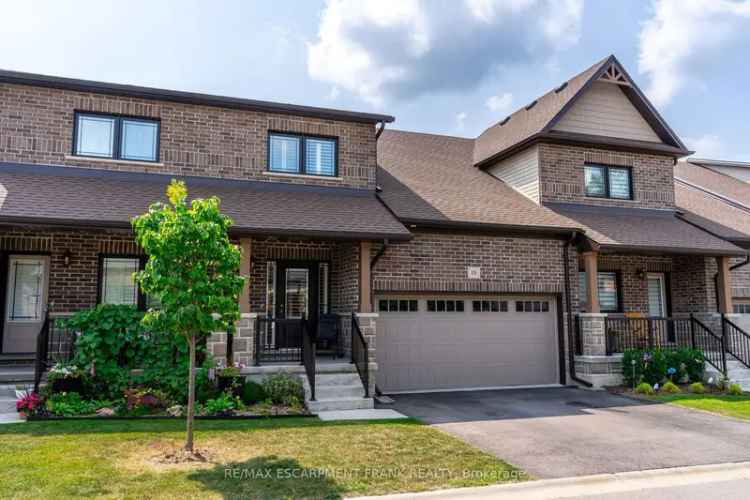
pixel 360 355
pixel 308 355
pixel 278 340
pixel 54 344
pixel 736 341
pixel 645 333
pixel 711 344
pixel 664 333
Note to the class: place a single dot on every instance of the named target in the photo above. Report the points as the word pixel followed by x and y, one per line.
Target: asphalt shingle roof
pixel 635 229
pixel 428 177
pixel 83 196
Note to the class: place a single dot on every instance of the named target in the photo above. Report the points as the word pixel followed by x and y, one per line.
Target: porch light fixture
pixel 641 273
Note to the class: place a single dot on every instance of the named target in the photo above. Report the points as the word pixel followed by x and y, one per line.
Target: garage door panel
pixel 450 350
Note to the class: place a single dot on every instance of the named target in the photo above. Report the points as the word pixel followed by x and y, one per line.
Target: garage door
pixel 444 342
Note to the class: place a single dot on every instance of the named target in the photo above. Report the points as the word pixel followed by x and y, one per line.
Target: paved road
pixel 563 432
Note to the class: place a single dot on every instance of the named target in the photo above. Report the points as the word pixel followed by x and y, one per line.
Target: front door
pixel 297 290
pixel 25 302
pixel 657 297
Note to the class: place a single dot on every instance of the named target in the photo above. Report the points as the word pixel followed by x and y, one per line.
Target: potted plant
pixel 28 404
pixel 65 378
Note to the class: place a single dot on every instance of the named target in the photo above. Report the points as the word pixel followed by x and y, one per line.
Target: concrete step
pixel 339 391
pixel 16 374
pixel 331 404
pixel 342 367
pixel 322 379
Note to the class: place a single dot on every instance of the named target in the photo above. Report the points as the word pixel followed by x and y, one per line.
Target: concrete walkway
pixel 725 481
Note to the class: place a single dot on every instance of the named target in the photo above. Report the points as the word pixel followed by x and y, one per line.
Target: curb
pixel 586 485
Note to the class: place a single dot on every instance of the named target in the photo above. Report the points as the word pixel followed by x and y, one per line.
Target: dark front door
pixel 296 299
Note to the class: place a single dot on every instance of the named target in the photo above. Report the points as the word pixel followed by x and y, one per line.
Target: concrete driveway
pixel 561 432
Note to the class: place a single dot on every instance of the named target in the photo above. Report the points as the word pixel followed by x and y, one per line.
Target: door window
pixel 656 295
pixel 25 289
pixel 297 283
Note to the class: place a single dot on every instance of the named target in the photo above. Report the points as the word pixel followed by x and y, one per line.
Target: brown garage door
pixel 445 342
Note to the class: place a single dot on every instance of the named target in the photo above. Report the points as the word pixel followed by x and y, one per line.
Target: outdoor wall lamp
pixel 67 255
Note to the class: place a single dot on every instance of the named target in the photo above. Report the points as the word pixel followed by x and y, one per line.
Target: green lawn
pixel 117 459
pixel 732 406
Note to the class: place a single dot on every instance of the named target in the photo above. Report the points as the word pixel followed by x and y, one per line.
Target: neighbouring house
pixel 531 255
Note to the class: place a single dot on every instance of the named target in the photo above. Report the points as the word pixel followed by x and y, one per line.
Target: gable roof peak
pixel 533 123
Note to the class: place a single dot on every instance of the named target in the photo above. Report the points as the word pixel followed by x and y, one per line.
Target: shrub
pixel 697 388
pixel 113 342
pixel 670 388
pixel 654 366
pixel 735 390
pixel 29 404
pixel 222 405
pixel 69 404
pixel 283 388
pixel 145 400
pixel 644 388
pixel 253 392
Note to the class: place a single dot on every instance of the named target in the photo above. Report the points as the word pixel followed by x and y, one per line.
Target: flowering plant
pixel 60 371
pixel 28 403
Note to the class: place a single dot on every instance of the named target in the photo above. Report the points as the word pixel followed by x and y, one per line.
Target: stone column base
pixel 243 342
pixel 601 371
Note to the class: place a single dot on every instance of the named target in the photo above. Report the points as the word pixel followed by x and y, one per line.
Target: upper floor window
pixel 116 137
pixel 299 154
pixel 602 181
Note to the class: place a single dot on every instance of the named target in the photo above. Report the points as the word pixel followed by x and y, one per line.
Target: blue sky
pixel 441 66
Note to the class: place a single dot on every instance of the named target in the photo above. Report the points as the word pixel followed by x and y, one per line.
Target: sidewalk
pixel 733 480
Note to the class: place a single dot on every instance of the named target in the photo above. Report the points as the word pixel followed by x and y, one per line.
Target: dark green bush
pixel 653 366
pixel 113 342
pixel 283 388
pixel 252 393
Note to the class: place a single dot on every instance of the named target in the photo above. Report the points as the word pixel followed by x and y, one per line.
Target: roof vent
pixel 505 120
pixel 561 87
pixel 531 105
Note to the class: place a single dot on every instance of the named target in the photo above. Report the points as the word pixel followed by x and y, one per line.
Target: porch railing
pixel 360 355
pixel 278 340
pixel 54 344
pixel 646 333
pixel 736 340
pixel 308 355
pixel 664 333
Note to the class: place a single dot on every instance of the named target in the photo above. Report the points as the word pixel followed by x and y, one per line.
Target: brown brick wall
pixel 72 287
pixel 434 262
pixel 562 178
pixel 36 126
pixel 344 270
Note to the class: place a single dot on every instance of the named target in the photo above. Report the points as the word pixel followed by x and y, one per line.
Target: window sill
pixel 113 161
pixel 303 176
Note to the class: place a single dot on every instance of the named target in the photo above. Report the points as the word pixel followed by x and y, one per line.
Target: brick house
pixel 434 262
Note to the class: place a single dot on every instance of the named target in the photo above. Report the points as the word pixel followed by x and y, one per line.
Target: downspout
pixel 379 131
pixel 731 268
pixel 374 261
pixel 569 307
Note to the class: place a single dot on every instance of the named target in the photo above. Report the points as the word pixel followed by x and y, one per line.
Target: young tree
pixel 192 269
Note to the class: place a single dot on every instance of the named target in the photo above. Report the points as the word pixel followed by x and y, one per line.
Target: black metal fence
pixel 737 341
pixel 308 356
pixel 278 340
pixel 646 333
pixel 664 333
pixel 54 344
pixel 360 355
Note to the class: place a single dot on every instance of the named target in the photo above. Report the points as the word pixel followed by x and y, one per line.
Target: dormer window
pixel 301 154
pixel 603 181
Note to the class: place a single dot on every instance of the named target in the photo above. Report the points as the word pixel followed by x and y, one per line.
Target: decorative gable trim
pixel 613 74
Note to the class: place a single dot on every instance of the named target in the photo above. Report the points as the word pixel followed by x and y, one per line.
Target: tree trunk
pixel 191 395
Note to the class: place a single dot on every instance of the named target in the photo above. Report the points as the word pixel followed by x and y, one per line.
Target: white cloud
pixel 499 103
pixel 686 38
pixel 379 49
pixel 461 120
pixel 706 146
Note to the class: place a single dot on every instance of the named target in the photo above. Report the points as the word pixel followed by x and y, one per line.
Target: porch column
pixel 365 295
pixel 245 264
pixel 590 265
pixel 724 285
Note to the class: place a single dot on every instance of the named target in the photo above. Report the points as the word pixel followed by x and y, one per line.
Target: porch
pixel 649 301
